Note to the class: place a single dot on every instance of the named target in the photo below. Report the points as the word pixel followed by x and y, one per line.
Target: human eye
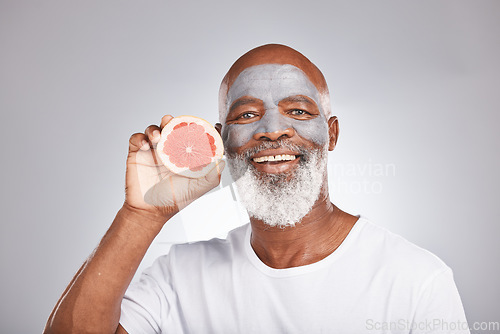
pixel 298 112
pixel 247 115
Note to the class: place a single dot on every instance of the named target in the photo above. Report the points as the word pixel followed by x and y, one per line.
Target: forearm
pixel 91 302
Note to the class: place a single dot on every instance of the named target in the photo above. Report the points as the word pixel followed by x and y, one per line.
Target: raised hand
pixel 151 187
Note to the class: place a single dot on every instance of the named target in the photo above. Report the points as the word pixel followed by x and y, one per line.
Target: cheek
pixel 315 130
pixel 237 135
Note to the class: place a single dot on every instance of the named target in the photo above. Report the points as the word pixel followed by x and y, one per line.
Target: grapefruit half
pixel 190 146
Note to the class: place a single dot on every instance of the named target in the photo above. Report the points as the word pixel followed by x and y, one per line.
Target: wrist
pixel 149 221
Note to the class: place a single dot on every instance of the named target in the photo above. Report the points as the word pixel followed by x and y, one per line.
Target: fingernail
pixel 145 145
pixel 156 134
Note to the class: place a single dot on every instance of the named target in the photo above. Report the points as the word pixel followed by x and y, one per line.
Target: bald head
pixel 274 54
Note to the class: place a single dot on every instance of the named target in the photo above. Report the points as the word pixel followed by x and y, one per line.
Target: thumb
pixel 212 179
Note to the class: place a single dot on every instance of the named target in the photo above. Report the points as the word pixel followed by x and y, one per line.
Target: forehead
pixel 272 82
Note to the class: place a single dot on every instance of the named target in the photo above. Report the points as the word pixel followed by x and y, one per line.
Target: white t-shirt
pixel 375 282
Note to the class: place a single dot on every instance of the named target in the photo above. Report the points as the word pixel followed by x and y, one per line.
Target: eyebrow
pixel 241 102
pixel 298 99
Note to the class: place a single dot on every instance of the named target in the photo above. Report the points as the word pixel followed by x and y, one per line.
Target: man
pixel 300 266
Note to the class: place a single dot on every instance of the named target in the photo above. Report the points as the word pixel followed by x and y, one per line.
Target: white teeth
pixel 282 157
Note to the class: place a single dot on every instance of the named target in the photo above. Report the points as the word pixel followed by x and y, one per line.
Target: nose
pixel 273 126
pixel 275 135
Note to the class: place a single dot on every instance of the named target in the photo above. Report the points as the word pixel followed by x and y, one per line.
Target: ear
pixel 333 132
pixel 218 127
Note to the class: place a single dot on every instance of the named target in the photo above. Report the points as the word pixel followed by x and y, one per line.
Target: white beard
pixel 279 199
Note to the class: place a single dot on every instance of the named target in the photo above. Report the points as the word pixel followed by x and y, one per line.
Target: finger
pixel 138 141
pixel 219 167
pixel 153 134
pixel 213 177
pixel 165 119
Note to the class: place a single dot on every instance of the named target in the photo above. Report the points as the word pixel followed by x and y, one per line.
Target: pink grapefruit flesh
pixel 190 146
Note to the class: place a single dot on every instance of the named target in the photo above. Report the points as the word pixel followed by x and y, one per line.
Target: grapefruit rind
pixel 174 163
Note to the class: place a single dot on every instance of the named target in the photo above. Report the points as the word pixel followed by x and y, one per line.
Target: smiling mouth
pixel 275 158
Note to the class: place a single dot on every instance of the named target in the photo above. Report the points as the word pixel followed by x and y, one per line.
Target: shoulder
pixel 211 250
pixel 394 252
pixel 195 256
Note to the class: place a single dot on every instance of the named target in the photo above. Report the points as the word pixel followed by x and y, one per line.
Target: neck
pixel 318 235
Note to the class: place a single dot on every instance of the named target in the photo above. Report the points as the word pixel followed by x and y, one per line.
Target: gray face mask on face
pixel 271 83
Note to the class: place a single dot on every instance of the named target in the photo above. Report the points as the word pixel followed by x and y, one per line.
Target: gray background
pixel 414 83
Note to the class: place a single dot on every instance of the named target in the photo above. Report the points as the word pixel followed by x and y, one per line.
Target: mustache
pixel 267 145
